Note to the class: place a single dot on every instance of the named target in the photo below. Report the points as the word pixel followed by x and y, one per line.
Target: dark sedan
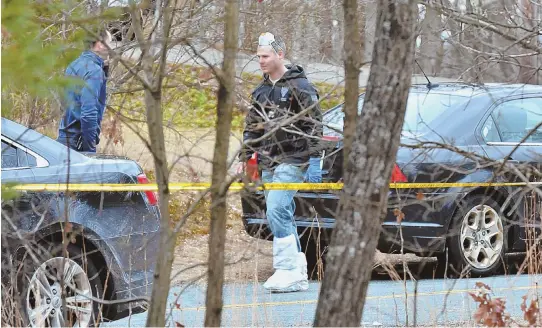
pixel 452 132
pixel 112 237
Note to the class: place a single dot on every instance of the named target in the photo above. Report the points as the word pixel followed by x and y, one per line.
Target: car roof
pixel 41 144
pixel 488 89
pixel 463 89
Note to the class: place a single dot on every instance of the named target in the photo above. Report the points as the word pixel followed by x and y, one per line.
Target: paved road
pixel 316 72
pixel 250 305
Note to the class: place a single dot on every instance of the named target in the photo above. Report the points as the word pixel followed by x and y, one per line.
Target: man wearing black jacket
pixel 284 127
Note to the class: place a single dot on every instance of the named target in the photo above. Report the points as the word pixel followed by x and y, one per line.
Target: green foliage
pixel 330 95
pixel 28 61
pixel 8 192
pixel 191 101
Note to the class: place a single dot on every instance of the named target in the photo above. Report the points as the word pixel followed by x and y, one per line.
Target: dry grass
pixel 11 314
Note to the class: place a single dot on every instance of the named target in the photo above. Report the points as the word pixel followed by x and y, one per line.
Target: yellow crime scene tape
pixel 195 186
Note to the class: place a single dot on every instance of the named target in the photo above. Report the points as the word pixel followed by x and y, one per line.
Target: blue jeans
pixel 280 203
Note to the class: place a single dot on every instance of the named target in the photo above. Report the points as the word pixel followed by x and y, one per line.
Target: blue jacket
pixel 84 104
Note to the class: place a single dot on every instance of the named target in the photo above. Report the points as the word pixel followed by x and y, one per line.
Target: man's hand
pixel 314 173
pixel 248 169
pixel 241 168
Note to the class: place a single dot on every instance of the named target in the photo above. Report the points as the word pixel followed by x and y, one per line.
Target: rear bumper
pixel 141 288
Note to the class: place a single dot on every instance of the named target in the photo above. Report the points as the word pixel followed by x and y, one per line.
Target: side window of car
pixel 23 159
pixel 335 119
pixel 515 119
pixel 14 157
pixel 9 156
pixel 32 161
pixel 489 131
pixel 360 104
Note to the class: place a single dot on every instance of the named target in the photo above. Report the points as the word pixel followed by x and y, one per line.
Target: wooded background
pixel 474 40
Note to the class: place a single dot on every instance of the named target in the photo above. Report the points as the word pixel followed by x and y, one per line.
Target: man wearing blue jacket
pixel 84 103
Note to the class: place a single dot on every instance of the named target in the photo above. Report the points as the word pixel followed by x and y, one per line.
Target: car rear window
pixel 422 110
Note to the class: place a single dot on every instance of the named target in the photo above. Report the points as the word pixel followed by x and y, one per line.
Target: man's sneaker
pixel 283 281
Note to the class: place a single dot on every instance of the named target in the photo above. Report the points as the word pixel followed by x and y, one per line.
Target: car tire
pixel 85 276
pixel 477 239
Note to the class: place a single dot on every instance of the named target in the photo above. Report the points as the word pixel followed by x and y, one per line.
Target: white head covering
pixel 268 39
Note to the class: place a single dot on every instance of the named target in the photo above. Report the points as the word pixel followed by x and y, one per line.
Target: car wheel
pixel 42 293
pixel 478 239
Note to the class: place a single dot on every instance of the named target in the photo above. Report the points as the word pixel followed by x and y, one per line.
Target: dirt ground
pixel 247 258
pixel 190 153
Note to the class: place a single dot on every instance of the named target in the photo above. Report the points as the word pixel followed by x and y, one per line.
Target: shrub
pixel 198 221
pixel 189 97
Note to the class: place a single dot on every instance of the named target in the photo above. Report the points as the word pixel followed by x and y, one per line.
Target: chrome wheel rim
pixel 44 296
pixel 482 237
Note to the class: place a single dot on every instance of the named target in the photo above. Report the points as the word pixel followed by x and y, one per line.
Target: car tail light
pixel 252 168
pixel 330 138
pixel 397 175
pixel 151 195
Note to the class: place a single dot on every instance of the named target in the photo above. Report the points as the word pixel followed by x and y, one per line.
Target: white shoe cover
pixel 290 265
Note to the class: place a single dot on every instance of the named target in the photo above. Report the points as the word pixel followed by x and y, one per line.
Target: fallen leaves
pixel 68 227
pixel 491 311
pixel 530 313
pixel 399 215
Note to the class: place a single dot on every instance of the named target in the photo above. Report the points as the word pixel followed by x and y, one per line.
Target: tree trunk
pixel 363 201
pixel 351 46
pixel 336 31
pixel 527 70
pixel 219 189
pixel 431 45
pixel 162 272
pixel 153 99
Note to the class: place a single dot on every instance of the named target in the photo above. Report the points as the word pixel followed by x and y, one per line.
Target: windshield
pixel 421 112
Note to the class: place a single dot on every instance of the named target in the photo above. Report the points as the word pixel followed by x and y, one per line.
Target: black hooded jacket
pixel 292 100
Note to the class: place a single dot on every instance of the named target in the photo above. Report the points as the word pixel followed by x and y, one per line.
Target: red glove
pixel 250 168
